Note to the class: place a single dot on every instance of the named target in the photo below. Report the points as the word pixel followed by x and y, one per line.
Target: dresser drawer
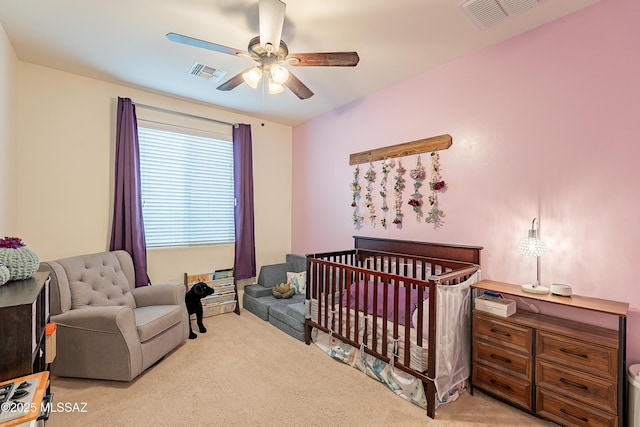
pixel 515 390
pixel 566 412
pixel 508 334
pixel 578 385
pixel 511 362
pixel 588 357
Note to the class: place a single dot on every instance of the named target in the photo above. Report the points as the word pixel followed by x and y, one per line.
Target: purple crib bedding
pixel 379 290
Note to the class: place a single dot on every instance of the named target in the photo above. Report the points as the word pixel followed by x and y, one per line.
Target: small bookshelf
pixel 224 299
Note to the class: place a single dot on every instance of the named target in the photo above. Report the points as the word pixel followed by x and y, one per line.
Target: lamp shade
pixel 252 77
pixel 274 88
pixel 279 74
pixel 532 246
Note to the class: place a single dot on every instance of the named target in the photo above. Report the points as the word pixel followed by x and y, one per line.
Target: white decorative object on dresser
pixel 502 307
pixel 569 372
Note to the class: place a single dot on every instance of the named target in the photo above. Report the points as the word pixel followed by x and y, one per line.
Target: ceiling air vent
pixel 486 13
pixel 206 72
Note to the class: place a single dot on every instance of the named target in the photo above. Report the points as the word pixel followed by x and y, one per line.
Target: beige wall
pixel 8 63
pixel 65 149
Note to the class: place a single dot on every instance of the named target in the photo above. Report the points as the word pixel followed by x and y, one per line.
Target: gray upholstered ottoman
pixel 259 300
pixel 289 317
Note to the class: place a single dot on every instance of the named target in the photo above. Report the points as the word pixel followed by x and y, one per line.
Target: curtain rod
pixel 178 113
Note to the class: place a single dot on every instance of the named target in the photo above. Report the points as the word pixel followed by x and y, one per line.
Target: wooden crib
pixel 382 297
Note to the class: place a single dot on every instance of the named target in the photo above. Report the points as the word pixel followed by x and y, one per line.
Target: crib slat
pixel 341 274
pixel 407 325
pixel 323 290
pixel 385 317
pixel 431 363
pixel 351 276
pixel 374 335
pixel 419 326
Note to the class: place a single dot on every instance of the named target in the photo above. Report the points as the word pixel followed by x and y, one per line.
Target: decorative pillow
pixel 283 290
pixel 298 281
pixel 425 318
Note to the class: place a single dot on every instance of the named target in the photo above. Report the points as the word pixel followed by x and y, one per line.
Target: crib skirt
pixel 452 342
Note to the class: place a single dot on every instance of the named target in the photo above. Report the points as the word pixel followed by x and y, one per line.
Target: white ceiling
pixel 123 41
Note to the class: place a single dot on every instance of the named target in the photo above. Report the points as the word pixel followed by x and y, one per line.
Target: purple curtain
pixel 244 263
pixel 127 229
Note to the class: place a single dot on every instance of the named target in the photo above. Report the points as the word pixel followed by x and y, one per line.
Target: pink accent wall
pixel 544 125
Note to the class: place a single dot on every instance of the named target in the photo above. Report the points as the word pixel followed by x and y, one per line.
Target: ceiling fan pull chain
pixel 264 89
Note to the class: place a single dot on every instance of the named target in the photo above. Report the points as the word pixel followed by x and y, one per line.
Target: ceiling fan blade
pixel 179 38
pixel 271 21
pixel 296 86
pixel 234 81
pixel 324 59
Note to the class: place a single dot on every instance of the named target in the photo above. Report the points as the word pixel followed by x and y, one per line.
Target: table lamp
pixel 532 245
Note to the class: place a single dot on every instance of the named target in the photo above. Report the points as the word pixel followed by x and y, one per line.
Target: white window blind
pixel 187 187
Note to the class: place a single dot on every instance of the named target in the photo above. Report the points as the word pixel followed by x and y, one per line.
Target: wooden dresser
pixel 568 372
pixel 24 314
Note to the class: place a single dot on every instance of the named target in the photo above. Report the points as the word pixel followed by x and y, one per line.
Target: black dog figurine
pixel 194 305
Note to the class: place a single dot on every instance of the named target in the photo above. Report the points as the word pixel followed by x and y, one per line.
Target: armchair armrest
pixel 104 344
pixel 170 294
pixel 112 319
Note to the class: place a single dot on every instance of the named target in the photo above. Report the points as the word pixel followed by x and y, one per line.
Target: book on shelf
pixel 227 273
pixel 221 283
pixel 220 308
pixel 195 278
pixel 222 280
pixel 217 299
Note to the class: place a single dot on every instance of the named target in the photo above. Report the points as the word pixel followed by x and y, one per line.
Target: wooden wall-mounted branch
pixel 427 145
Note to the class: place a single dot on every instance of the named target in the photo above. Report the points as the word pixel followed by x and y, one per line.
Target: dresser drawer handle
pixel 583 419
pixel 500 358
pixel 499 384
pixel 571 383
pixel 564 350
pixel 496 331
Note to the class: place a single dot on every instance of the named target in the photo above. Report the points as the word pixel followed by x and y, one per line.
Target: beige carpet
pixel 245 372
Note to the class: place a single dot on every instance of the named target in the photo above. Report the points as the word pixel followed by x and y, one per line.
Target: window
pixel 187 186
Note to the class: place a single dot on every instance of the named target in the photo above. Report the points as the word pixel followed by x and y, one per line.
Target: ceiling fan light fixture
pixel 252 77
pixel 274 88
pixel 272 54
pixel 279 74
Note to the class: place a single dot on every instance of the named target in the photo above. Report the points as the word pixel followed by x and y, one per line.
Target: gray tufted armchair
pixel 107 328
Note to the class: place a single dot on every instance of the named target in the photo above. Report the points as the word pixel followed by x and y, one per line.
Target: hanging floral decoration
pixel 370 176
pixel 398 188
pixel 437 185
pixel 387 165
pixel 418 175
pixel 355 191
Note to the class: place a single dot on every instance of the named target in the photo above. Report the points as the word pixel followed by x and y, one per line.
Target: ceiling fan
pixel 272 54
